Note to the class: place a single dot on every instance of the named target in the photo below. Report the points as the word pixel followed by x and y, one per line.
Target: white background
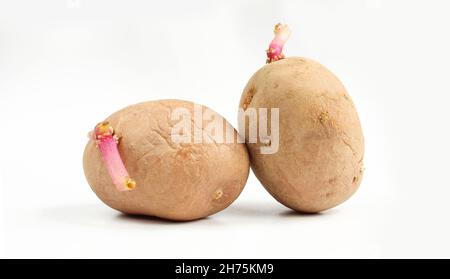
pixel 65 65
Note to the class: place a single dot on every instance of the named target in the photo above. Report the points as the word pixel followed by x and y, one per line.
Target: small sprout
pixel 275 51
pixel 107 143
pixel 218 194
pixel 323 117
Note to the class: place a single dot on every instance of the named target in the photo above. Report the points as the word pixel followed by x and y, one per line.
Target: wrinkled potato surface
pixel 319 163
pixel 178 181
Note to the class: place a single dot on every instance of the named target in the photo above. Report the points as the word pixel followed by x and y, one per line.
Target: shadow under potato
pixel 154 220
pixel 289 213
pixel 94 215
pixel 268 209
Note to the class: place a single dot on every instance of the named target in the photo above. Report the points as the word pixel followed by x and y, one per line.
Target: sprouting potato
pixel 133 164
pixel 319 158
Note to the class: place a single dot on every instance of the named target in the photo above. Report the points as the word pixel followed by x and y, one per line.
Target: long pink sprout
pixel 107 143
pixel 275 52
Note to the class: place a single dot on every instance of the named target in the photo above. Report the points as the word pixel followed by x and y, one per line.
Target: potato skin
pixel 173 181
pixel 319 163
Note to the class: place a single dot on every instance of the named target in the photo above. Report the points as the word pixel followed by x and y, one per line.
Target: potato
pixel 177 181
pixel 319 162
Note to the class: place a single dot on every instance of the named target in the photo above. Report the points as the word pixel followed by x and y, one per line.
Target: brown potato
pixel 178 181
pixel 319 163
